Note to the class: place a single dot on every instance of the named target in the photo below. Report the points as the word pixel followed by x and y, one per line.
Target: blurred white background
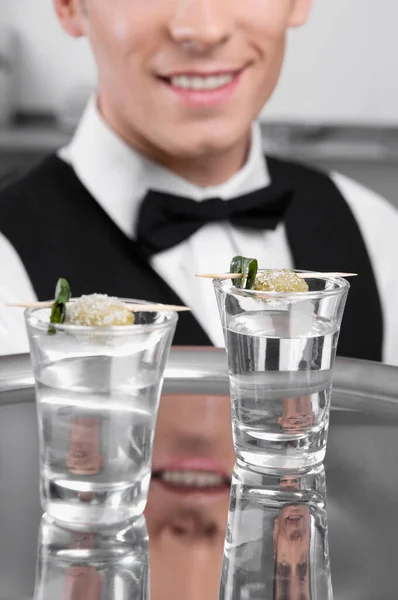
pixel 342 66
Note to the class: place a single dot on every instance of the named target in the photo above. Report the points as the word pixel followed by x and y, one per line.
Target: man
pixel 165 177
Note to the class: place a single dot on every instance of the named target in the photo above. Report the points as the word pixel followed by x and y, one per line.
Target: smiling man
pixel 166 177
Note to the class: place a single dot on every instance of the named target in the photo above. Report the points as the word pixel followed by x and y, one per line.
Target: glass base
pixel 94 507
pixel 285 462
pixel 294 452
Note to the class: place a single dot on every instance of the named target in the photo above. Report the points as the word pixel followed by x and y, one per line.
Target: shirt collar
pixel 118 177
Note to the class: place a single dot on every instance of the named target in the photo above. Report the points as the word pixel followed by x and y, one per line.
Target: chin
pixel 191 143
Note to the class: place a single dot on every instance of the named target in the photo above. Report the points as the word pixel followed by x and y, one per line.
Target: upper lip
pixel 201 72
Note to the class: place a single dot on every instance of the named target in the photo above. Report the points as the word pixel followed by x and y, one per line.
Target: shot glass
pixel 97 391
pixel 281 349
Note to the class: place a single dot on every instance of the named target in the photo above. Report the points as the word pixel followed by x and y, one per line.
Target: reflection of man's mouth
pixel 79 454
pixel 293 520
pixel 182 481
pixel 296 422
pixel 78 469
pixel 192 475
pixel 77 573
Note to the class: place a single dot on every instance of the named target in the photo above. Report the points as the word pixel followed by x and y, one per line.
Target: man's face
pixel 184 77
pixel 188 500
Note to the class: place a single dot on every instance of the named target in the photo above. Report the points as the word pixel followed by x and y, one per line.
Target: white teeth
pixel 192 478
pixel 197 83
pixel 211 82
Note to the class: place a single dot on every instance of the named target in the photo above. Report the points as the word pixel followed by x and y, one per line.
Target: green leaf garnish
pixel 62 291
pixel 62 296
pixel 248 267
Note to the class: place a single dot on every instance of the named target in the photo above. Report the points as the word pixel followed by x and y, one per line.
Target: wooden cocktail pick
pixel 131 307
pixel 302 275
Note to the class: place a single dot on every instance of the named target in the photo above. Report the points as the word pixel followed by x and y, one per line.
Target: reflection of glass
pixel 276 545
pixel 281 351
pixel 92 566
pixel 97 396
pixel 82 583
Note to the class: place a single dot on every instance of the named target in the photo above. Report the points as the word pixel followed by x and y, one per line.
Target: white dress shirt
pixel 118 177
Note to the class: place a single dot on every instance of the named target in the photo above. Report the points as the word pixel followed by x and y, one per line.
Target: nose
pixel 200 25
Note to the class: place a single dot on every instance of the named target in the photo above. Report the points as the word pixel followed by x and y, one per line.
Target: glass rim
pixel 341 285
pixel 170 318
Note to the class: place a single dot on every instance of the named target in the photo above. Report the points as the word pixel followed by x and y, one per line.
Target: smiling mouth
pixel 201 82
pixel 184 481
pixel 79 454
pixel 293 520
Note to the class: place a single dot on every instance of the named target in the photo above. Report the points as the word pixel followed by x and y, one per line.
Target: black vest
pixel 59 230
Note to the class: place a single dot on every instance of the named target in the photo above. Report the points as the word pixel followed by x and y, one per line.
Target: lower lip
pixel 206 98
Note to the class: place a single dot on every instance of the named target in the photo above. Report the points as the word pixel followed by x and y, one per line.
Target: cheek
pixel 265 26
pixel 121 31
pixel 271 16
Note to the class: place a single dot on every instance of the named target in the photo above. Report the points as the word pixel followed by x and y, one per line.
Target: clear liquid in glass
pixel 281 379
pixel 96 419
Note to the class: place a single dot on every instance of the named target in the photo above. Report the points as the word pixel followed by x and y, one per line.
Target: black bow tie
pixel 165 220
